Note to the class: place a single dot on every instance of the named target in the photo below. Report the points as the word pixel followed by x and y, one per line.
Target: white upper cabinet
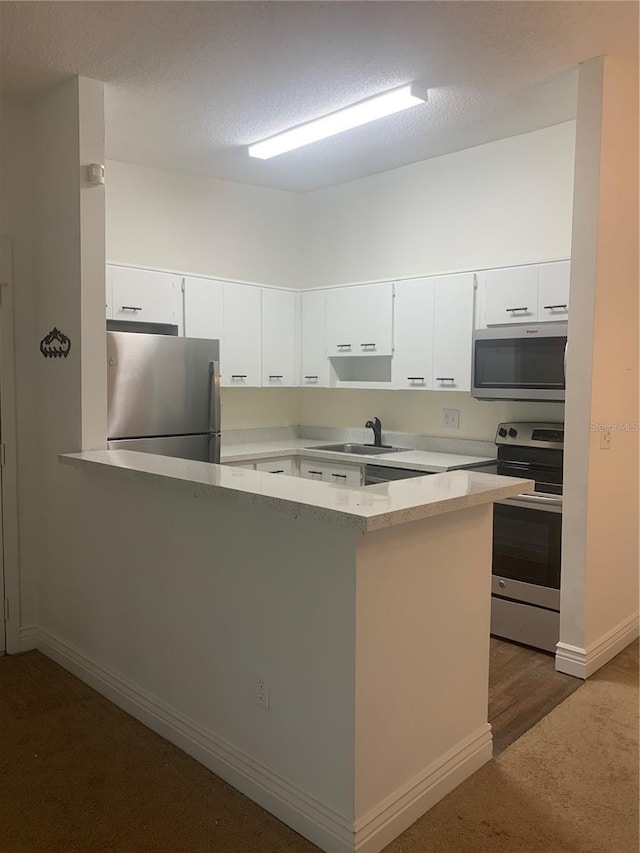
pixel 240 356
pixel 146 296
pixel 314 365
pixel 452 331
pixel 359 320
pixel 511 295
pixel 203 308
pixel 553 291
pixel 279 325
pixel 413 334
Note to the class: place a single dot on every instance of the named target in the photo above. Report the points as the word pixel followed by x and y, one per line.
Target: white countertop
pixel 416 460
pixel 364 508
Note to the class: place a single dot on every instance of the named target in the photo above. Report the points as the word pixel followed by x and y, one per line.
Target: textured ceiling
pixel 189 85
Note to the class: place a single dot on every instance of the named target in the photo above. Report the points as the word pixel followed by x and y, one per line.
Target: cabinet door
pixel 240 356
pixel 279 322
pixel 284 466
pixel 314 364
pixel 511 295
pixel 343 475
pixel 553 291
pixel 359 320
pixel 452 331
pixel 203 307
pixel 413 334
pixel 146 296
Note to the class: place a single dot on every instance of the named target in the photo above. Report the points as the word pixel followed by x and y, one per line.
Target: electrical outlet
pixel 605 439
pixel 451 418
pixel 262 693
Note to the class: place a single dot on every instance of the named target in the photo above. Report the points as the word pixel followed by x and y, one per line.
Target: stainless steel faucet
pixel 376 426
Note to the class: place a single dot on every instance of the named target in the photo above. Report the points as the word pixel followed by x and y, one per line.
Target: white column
pixel 599 597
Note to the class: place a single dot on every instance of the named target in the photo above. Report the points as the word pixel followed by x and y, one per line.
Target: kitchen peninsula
pixel 323 648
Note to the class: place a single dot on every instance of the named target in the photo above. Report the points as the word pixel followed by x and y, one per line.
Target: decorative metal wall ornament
pixel 55 344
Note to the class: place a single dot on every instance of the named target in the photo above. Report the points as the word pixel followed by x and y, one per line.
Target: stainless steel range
pixel 527 536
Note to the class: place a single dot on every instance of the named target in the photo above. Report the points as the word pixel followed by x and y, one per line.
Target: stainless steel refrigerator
pixel 164 395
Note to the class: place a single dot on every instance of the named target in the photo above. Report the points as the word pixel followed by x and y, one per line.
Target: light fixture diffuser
pixel 357 114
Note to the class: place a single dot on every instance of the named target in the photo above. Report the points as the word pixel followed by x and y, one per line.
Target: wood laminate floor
pixel 523 688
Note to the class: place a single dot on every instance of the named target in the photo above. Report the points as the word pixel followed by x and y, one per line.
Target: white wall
pixel 600 544
pixel 16 221
pixel 69 279
pixel 503 203
pixel 205 226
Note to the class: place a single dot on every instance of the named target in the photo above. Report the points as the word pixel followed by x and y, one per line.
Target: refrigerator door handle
pixel 214 398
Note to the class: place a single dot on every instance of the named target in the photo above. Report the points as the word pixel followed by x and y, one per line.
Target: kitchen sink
pixel 361 449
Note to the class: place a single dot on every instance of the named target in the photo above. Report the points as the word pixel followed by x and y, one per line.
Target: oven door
pixel 527 543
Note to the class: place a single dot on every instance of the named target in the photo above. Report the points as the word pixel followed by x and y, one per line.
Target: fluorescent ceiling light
pixel 353 116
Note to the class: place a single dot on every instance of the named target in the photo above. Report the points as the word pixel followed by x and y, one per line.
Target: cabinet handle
pixel 367 345
pixel 311 377
pixel 309 471
pixel 525 308
pixel 277 471
pixel 238 375
pixel 275 376
pixel 551 307
pixel 415 378
pixel 342 476
pixel 343 346
pixel 445 378
pixel 130 308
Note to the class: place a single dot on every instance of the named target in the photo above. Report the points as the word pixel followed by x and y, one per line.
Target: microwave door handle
pixel 214 398
pixel 565 365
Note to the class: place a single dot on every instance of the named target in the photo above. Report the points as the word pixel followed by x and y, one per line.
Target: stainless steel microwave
pixel 519 362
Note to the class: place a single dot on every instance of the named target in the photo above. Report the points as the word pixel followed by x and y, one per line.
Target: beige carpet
pixel 78 774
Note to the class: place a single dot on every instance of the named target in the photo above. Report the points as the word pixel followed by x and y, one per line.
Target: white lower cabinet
pixel 342 475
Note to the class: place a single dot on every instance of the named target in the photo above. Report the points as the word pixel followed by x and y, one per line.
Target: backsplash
pixel 344 412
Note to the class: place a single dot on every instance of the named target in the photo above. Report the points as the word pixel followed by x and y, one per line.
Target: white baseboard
pixel 582 663
pixel 402 808
pixel 329 830
pixel 27 638
pixel 306 815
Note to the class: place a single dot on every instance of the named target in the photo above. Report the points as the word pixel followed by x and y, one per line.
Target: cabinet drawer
pixel 277 466
pixel 312 470
pixel 344 475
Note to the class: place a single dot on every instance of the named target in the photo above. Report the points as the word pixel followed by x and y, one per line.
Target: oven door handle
pixel 540 501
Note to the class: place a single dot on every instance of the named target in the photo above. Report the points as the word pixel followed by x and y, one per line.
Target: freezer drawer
pixel 204 448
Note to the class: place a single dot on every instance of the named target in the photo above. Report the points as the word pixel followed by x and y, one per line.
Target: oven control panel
pixel 531 434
